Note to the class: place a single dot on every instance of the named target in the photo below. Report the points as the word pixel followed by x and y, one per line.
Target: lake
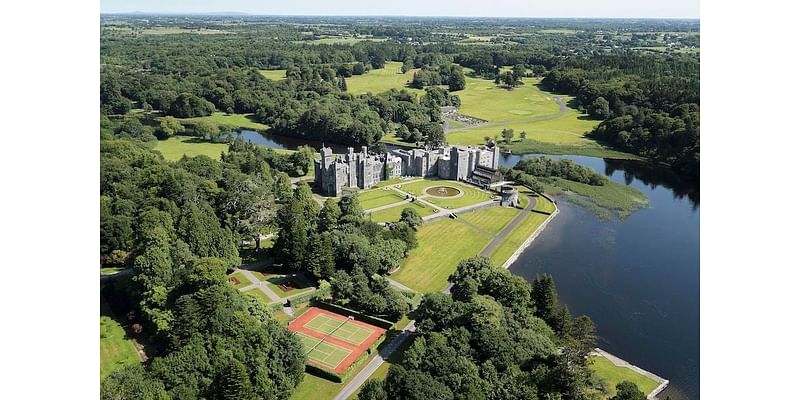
pixel 638 279
pixel 286 142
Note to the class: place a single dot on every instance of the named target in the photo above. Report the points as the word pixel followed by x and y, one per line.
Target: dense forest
pixel 496 337
pixel 648 100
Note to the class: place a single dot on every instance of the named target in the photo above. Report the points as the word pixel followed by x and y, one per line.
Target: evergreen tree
pixel 329 216
pixel 232 382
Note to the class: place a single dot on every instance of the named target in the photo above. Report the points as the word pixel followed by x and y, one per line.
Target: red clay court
pixel 333 341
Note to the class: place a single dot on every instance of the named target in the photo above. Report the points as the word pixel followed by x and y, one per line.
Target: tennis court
pixel 331 340
pixel 340 328
pixel 320 352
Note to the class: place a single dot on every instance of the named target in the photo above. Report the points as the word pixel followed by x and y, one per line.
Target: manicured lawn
pixel 442 244
pixel 526 107
pixel 255 292
pixel 561 129
pixel 517 237
pixel 274 74
pixel 612 375
pixel 389 182
pixel 492 219
pixel 244 121
pixel 482 99
pixel 243 280
pixel 116 350
pixel 313 387
pixel 177 146
pixel 471 194
pixel 275 289
pixel 393 214
pixel 378 197
pixel 544 205
pixel 381 80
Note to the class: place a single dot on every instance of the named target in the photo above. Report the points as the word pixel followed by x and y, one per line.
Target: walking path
pixel 446 212
pixel 662 383
pixel 487 251
pixel 351 387
pixel 399 285
pixel 261 285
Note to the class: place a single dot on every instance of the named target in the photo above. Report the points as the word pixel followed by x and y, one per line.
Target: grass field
pixel 255 292
pixel 295 291
pixel 274 74
pixel 341 40
pixel 116 350
pixel 428 266
pixel 243 121
pixel 471 194
pixel 177 146
pixel 314 387
pixel 492 219
pixel 526 107
pixel 544 205
pixel 517 237
pixel 393 214
pixel 612 375
pixel 482 99
pixel 378 197
pixel 381 80
pixel 243 280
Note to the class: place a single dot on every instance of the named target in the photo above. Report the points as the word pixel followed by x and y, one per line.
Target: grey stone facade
pixel 335 172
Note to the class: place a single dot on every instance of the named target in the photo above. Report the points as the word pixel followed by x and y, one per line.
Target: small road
pixel 487 251
pixel 446 212
pixel 399 285
pixel 358 380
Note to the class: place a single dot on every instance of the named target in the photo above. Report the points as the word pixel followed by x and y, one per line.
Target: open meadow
pixel 239 121
pixel 380 80
pixel 177 146
pixel 274 74
pixel 116 349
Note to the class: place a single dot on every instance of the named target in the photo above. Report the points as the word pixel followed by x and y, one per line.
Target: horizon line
pixel 246 14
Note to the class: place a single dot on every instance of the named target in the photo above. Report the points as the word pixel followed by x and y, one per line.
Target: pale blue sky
pixel 487 8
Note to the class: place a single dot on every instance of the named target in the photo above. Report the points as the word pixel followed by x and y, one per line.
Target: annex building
pixel 335 172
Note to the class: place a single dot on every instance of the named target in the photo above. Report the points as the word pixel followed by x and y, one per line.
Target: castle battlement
pixel 363 170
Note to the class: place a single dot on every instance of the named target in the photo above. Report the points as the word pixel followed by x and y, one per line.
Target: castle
pixel 335 172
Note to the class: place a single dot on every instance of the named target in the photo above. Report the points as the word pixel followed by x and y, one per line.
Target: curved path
pixel 487 251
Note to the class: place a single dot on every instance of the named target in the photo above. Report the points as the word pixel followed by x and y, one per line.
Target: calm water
pixel 638 279
pixel 285 142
